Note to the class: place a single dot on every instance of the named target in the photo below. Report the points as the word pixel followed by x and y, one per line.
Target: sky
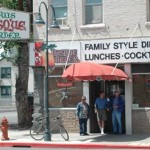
pixel 1 50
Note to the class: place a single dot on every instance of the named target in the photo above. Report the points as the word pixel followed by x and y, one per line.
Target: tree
pixel 22 61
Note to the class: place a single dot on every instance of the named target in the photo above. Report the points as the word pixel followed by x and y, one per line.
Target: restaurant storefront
pixel 132 57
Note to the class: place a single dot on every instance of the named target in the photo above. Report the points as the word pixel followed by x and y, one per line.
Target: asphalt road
pixel 11 117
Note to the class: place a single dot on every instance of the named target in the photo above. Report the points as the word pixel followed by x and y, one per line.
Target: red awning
pixel 89 71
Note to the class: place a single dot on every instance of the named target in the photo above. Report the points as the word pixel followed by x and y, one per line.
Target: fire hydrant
pixel 4 129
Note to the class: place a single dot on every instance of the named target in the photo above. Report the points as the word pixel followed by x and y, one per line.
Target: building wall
pixel 38 89
pixel 31 81
pixel 122 19
pixel 8 82
pixel 141 120
pixel 10 101
pixel 68 119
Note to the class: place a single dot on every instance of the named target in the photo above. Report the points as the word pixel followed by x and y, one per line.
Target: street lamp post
pixel 40 21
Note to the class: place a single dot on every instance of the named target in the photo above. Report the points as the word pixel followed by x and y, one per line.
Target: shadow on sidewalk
pixel 116 138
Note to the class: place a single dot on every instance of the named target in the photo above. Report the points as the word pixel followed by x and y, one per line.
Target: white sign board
pixel 14 25
pixel 116 50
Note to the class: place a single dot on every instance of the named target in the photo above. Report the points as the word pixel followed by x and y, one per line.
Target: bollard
pixel 4 129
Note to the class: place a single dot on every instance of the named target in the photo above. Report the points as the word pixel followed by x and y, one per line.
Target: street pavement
pixel 93 141
pixel 21 138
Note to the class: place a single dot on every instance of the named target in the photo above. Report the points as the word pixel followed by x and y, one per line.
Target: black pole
pixel 47 134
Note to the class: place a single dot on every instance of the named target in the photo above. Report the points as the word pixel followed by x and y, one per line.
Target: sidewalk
pixel 94 141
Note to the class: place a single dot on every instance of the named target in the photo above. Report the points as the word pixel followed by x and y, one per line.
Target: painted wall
pixel 12 81
pixel 121 19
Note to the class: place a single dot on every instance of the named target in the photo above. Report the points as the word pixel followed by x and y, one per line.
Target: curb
pixel 69 145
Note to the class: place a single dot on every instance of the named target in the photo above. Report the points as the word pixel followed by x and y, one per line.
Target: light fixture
pixel 40 21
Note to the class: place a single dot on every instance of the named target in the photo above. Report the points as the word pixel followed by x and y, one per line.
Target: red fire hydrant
pixel 4 129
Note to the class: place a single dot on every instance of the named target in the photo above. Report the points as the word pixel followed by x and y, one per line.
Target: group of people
pixel 102 105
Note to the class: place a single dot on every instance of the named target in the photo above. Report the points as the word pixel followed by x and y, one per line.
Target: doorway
pixel 95 87
pixel 108 87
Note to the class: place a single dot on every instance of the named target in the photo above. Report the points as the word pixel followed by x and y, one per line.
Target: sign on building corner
pixel 14 25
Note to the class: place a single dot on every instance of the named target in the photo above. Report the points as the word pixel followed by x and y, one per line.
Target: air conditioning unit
pixel 62 21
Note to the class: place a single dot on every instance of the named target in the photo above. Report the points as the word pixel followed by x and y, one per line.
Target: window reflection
pixel 141 90
pixel 63 93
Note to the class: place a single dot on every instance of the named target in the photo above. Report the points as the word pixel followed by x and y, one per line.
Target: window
pixel 61 11
pixel 5 90
pixel 141 90
pixel 141 85
pixel 6 72
pixel 63 93
pixel 94 12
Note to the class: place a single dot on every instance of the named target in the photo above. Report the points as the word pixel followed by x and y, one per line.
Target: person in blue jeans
pixel 118 106
pixel 83 111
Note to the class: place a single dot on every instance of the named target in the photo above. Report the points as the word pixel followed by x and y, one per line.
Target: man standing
pixel 118 105
pixel 83 111
pixel 101 105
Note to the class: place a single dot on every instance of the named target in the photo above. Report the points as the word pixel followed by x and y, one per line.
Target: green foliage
pixel 7 46
pixel 12 4
pixel 10 44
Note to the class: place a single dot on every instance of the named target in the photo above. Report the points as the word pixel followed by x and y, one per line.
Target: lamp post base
pixel 47 136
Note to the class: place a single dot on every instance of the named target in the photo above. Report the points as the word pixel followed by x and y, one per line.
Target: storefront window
pixel 141 90
pixel 111 86
pixel 63 93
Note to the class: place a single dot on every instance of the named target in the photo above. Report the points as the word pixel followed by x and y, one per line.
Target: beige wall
pixel 121 19
pixel 69 119
pixel 141 120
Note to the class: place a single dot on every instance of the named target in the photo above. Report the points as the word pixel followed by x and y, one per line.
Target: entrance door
pixel 95 88
pixel 108 87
